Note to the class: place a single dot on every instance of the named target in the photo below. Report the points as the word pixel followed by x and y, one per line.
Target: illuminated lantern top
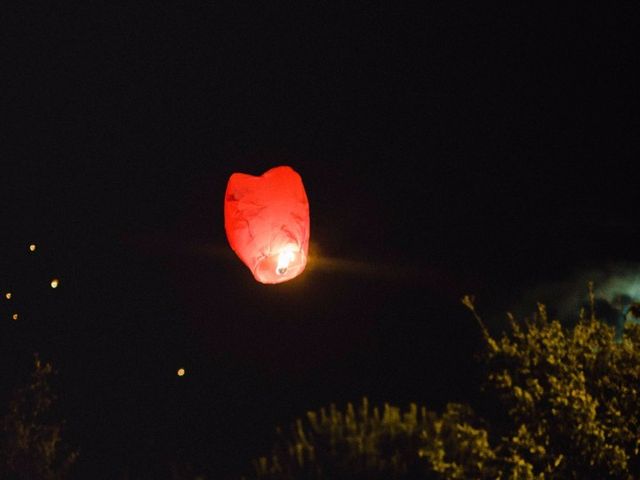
pixel 267 223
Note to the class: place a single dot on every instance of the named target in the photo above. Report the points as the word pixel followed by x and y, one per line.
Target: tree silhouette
pixel 31 445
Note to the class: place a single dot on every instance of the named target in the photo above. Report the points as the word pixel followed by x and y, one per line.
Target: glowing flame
pixel 284 259
pixel 181 372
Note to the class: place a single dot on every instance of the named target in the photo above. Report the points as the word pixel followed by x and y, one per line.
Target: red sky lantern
pixel 267 223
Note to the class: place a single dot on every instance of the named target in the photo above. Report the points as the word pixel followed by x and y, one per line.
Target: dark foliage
pixel 31 446
pixel 570 397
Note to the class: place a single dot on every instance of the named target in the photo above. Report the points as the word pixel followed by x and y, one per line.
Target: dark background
pixel 455 149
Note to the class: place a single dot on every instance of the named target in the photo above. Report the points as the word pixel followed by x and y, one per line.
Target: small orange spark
pixel 54 283
pixel 181 372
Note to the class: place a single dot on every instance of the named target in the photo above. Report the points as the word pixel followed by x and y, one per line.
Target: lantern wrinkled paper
pixel 266 219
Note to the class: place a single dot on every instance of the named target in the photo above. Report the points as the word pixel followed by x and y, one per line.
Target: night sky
pixel 455 149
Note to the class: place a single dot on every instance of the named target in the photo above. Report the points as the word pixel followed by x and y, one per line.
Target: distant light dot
pixel 14 316
pixel 181 372
pixel 54 283
pixel 32 247
pixel 8 295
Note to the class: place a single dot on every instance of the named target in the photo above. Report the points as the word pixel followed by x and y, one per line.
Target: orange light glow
pixel 266 219
pixel 181 372
pixel 14 316
pixel 7 295
pixel 32 247
pixel 285 257
pixel 54 283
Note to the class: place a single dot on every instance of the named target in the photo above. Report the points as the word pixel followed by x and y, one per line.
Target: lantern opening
pixel 284 259
pixel 281 266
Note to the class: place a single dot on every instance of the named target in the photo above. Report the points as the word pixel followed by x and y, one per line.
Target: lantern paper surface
pixel 267 223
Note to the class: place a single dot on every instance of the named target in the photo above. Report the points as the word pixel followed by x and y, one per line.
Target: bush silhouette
pixel 567 406
pixel 31 445
pixel 571 397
